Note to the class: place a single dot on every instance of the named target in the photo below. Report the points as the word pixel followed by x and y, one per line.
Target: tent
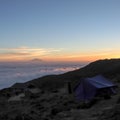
pixel 88 88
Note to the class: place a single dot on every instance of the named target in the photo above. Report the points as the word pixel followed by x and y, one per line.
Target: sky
pixel 59 30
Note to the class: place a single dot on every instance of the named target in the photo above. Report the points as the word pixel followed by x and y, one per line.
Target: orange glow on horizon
pixel 63 58
pixel 55 55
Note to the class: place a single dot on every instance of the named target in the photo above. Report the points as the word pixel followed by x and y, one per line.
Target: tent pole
pixel 69 88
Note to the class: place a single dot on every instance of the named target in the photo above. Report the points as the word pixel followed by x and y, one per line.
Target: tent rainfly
pixel 88 88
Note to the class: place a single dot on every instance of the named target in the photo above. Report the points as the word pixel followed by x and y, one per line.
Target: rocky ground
pixel 57 105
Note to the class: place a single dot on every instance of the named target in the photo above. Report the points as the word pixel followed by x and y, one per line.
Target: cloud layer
pixel 11 73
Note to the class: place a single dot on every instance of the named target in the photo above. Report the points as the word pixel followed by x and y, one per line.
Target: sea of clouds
pixel 11 73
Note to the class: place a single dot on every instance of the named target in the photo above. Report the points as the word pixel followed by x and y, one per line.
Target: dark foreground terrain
pixel 47 98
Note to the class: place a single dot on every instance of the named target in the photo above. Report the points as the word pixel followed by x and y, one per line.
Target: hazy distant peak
pixel 37 60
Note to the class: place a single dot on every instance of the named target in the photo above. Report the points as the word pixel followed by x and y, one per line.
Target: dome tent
pixel 88 88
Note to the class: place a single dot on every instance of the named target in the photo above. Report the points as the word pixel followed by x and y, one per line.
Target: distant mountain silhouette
pixel 36 60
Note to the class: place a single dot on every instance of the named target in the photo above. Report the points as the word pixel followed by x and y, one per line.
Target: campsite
pixel 90 97
pixel 88 88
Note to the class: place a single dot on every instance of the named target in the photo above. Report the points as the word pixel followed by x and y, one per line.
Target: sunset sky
pixel 59 30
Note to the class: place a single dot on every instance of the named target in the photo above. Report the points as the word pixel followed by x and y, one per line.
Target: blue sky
pixel 59 28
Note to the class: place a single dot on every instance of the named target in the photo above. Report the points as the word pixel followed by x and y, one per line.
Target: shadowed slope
pixel 109 68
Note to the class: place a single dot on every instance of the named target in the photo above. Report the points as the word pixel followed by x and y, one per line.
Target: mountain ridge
pixel 107 67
